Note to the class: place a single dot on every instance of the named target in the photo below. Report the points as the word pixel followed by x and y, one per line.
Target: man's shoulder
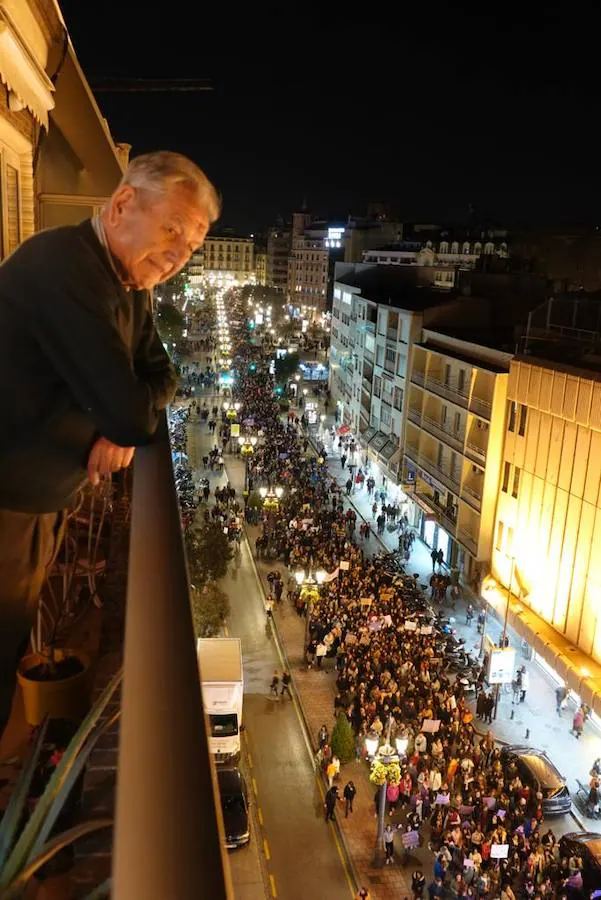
pixel 55 253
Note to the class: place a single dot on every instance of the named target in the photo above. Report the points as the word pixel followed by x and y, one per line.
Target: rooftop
pixel 393 286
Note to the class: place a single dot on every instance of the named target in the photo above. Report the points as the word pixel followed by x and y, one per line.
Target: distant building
pixel 225 257
pixel 278 251
pixel 261 266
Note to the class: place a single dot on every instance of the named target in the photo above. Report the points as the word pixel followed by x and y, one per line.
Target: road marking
pixel 260 815
pixel 255 788
pixel 266 850
pixel 274 893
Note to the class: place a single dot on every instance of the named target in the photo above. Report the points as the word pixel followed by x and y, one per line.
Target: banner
pixel 332 575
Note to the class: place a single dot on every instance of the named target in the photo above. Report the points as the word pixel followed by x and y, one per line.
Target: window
pixel 390 355
pixel 10 205
pixel 439 456
pixel 447 374
pixel 443 415
pixel 511 414
pixel 386 417
pixel 461 384
pixel 506 472
pixel 516 482
pixel 523 416
pixel 401 364
pixel 457 423
pixel 398 398
pixel 499 544
pixel 380 356
pixel 378 386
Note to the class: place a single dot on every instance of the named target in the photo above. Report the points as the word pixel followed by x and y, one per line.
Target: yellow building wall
pixel 553 528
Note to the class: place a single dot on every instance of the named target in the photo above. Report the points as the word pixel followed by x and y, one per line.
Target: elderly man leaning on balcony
pixel 83 372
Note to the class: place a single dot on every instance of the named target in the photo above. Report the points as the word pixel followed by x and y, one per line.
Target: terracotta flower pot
pixel 60 697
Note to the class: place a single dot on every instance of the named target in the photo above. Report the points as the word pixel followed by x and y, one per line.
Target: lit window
pixel 506 473
pixel 523 416
pixel 499 544
pixel 516 482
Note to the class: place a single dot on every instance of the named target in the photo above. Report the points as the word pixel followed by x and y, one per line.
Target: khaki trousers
pixel 29 543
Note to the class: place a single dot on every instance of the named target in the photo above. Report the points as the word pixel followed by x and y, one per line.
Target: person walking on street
pixel 434 558
pixel 363 894
pixel 561 694
pixel 285 685
pixel 578 723
pixel 332 798
pixel 389 842
pixel 273 687
pixel 343 461
pixel 418 883
pixel 349 795
pixel 525 684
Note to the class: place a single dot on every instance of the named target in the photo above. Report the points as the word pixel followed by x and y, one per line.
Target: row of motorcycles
pixel 184 482
pixel 448 646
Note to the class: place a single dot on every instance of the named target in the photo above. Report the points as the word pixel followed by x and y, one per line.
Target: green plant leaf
pixel 13 814
pixel 27 845
pixel 15 888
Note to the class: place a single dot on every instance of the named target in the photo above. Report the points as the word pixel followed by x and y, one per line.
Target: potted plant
pixel 28 842
pixel 54 679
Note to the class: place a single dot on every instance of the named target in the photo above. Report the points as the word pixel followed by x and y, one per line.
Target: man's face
pixel 153 235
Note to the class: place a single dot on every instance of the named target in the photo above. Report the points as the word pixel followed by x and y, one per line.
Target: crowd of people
pixel 482 823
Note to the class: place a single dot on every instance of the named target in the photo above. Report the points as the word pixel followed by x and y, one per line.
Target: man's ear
pixel 123 198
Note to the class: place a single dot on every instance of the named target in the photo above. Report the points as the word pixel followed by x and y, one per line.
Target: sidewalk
pixel 534 722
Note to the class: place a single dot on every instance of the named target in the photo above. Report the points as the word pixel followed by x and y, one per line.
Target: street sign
pixel 501 665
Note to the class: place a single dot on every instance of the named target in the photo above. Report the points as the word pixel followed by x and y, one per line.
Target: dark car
pixel 586 845
pixel 234 804
pixel 536 770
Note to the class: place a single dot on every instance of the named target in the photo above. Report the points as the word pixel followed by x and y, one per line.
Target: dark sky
pixel 432 108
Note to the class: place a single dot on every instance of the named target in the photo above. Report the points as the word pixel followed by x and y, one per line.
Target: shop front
pixel 427 519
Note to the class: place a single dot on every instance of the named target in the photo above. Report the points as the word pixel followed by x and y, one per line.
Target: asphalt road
pixel 300 850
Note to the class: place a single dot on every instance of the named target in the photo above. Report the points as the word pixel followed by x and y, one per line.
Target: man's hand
pixel 106 457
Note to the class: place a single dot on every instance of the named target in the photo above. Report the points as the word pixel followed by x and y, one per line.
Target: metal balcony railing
pixel 473 495
pixel 415 416
pixel 439 431
pixel 418 377
pixel 467 538
pixel 449 390
pixel 476 452
pixel 449 479
pixel 442 511
pixel 168 839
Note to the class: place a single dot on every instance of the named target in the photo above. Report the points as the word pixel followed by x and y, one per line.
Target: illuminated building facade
pixel 261 267
pixel 227 257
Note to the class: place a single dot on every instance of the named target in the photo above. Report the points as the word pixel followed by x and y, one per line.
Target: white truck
pixel 220 664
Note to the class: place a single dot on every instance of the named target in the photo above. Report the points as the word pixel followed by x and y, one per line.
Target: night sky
pixel 433 111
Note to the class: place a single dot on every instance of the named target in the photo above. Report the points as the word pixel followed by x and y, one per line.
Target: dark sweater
pixel 79 358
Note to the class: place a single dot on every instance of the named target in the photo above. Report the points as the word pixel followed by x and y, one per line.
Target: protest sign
pixel 499 851
pixel 410 625
pixel 490 802
pixel 344 565
pixel 431 725
pixel 410 839
pixel 442 800
pixel 426 629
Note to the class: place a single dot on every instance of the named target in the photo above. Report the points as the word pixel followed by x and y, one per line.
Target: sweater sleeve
pixel 152 363
pixel 72 317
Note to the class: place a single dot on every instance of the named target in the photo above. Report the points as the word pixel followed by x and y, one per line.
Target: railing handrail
pixel 168 839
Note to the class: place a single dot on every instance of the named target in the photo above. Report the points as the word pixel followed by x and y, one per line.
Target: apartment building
pixel 547 530
pixel 261 266
pixel 223 257
pixel 308 266
pixel 47 110
pixel 453 444
pixel 377 316
pixel 444 257
pixel 278 251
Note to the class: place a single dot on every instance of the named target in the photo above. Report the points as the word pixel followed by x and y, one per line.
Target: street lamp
pixel 309 584
pixel 247 448
pixel 383 757
pixel 271 496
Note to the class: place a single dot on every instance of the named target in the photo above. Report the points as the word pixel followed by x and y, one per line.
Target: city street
pixel 300 851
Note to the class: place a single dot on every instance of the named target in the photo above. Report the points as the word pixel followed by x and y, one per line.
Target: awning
pixel 367 435
pixel 378 441
pixel 21 72
pixel 389 449
pixel 581 673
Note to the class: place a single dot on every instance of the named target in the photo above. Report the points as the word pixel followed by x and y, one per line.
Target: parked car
pixel 536 770
pixel 586 845
pixel 234 804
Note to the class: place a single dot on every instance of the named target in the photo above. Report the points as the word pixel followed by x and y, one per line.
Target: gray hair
pixel 156 171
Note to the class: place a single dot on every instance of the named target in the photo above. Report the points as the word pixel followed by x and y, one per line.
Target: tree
pixel 209 553
pixel 343 739
pixel 170 323
pixel 210 609
pixel 285 367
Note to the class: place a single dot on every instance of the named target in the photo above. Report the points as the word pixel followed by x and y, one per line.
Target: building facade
pixel 227 257
pixel 261 267
pixel 308 268
pixel 47 111
pixel 278 251
pixel 453 444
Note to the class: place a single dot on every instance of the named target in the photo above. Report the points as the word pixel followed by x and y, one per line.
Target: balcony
pixel 473 495
pixel 468 540
pixel 449 479
pixel 447 521
pixel 473 451
pixel 366 384
pixel 439 431
pixel 450 391
pixel 480 407
pixel 418 377
pixel 157 773
pixel 415 416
